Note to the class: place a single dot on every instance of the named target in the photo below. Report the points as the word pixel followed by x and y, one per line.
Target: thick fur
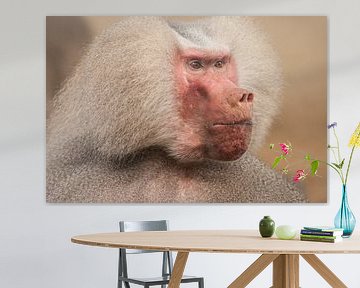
pixel 113 134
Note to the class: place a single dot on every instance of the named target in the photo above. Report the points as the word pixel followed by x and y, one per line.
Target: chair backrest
pixel 134 226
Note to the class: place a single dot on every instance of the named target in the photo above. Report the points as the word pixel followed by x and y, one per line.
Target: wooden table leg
pixel 178 269
pixel 324 271
pixel 286 271
pixel 253 270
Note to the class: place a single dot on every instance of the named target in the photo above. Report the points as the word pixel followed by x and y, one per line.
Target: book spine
pixel 320 233
pixel 319 236
pixel 318 239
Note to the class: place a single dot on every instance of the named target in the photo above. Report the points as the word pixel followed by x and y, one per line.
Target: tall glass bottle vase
pixel 345 218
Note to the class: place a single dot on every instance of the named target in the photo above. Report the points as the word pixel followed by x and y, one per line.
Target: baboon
pixel 164 112
pixel 59 58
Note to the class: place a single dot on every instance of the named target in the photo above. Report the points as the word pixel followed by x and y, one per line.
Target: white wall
pixel 35 248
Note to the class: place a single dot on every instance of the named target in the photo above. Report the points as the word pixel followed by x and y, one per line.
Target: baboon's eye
pixel 219 64
pixel 195 64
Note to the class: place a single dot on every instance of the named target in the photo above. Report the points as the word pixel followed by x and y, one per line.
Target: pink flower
pixel 285 148
pixel 300 175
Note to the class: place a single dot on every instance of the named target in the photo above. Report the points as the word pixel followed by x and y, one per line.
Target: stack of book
pixel 321 234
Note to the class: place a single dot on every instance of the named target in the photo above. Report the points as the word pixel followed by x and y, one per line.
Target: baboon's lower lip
pixel 234 123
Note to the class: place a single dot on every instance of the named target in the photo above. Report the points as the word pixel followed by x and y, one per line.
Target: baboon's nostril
pixel 247 97
pixel 250 97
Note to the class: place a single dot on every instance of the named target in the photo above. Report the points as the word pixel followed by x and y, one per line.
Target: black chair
pixel 167 265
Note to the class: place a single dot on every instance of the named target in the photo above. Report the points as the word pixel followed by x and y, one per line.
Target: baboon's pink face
pixel 216 112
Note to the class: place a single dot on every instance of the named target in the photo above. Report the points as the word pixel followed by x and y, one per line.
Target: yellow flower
pixel 355 138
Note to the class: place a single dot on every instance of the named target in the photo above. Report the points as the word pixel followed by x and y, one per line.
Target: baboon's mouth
pixel 246 122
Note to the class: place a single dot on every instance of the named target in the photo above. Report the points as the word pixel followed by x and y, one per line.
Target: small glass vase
pixel 345 219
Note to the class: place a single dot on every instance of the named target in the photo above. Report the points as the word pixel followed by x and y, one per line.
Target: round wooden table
pixel 284 254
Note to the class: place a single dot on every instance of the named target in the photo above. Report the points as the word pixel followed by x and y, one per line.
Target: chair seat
pixel 158 280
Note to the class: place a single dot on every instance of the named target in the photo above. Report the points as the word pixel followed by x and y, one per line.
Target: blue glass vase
pixel 345 219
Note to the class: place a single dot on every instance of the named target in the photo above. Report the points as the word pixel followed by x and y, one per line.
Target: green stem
pixel 340 159
pixel 336 169
pixel 333 152
pixel 337 142
pixel 348 167
pixel 351 155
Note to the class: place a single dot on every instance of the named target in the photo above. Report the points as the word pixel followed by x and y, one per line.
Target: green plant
pixel 312 164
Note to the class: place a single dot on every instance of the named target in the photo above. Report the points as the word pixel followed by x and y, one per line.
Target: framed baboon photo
pixel 221 109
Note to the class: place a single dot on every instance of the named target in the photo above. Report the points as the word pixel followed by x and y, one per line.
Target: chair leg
pixel 201 283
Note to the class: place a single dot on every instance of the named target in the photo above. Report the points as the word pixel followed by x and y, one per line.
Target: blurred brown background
pixel 302 46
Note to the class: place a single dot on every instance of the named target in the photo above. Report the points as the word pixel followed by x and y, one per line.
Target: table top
pixel 218 241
